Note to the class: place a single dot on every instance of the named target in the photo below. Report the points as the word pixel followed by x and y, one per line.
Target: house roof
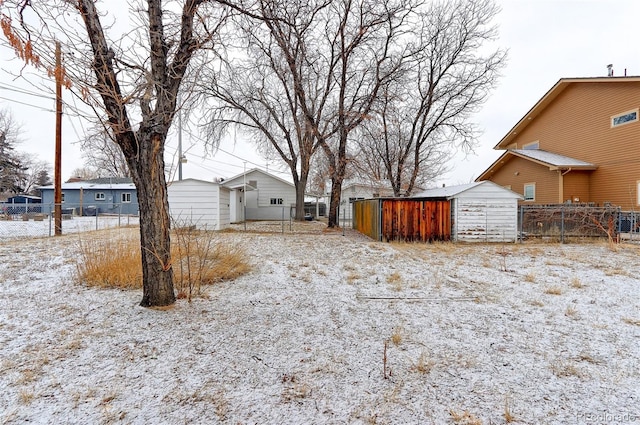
pixel 122 183
pixel 228 184
pixel 547 159
pixel 92 186
pixel 452 191
pixel 549 97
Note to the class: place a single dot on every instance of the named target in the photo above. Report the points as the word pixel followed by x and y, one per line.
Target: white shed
pixel 200 203
pixel 480 211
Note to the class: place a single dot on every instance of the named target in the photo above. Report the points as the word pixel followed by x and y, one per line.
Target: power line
pixel 27 104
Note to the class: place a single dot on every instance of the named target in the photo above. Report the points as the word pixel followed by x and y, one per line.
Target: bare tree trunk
pixel 334 203
pixel 157 273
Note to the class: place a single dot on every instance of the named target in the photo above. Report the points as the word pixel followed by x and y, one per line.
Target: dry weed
pixel 396 336
pixel 565 369
pixel 553 290
pixel 26 396
pixel 464 418
pixel 530 277
pixel 198 259
pixel 536 303
pixel 508 415
pixel 575 283
pixel 395 280
pixel 571 312
pixel 630 321
pixel 423 364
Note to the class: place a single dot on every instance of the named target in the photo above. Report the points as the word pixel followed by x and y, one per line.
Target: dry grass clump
pixel 630 321
pixel 110 263
pixel 553 290
pixel 464 418
pixel 198 258
pixel 395 280
pixel 423 364
pixel 575 283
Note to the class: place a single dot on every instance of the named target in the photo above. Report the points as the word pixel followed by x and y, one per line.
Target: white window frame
pixel 624 114
pixel 276 201
pixel 524 191
pixel 125 197
pixel 99 196
pixel 532 145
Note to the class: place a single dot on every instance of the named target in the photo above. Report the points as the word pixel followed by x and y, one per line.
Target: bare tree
pixel 84 173
pixel 102 153
pixel 36 173
pixel 333 56
pixel 12 168
pixel 136 75
pixel 257 88
pixel 425 115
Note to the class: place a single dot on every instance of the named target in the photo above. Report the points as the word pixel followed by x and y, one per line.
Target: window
pixel 125 197
pixel 99 196
pixel 276 201
pixel 530 192
pixel 532 145
pixel 624 118
pixel 62 196
pixel 354 199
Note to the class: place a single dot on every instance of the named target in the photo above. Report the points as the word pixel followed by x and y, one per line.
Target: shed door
pixel 486 220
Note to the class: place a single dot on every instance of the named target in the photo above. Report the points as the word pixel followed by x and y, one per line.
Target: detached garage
pixel 199 203
pixel 480 211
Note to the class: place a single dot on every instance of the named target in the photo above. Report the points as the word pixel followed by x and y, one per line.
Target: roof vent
pixel 610 68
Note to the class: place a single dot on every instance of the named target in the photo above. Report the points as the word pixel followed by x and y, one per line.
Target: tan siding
pixel 576 186
pixel 529 172
pixel 578 124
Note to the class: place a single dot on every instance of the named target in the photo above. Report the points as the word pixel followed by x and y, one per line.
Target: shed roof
pixel 450 192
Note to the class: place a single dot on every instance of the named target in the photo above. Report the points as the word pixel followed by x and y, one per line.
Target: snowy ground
pixel 491 334
pixel 18 229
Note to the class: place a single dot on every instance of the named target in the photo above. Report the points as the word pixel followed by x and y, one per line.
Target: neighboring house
pixel 258 195
pixel 20 204
pixel 580 143
pixel 480 212
pixel 110 195
pixel 199 203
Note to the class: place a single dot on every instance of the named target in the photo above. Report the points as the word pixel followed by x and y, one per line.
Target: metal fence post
pixel 521 223
pixel 562 224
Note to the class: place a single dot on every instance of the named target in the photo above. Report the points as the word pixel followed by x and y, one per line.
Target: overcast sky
pixel 547 40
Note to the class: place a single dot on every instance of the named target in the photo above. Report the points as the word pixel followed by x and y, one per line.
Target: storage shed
pixel 480 211
pixel 198 203
pixel 474 212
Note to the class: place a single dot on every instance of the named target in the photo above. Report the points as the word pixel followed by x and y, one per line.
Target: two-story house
pixel 580 143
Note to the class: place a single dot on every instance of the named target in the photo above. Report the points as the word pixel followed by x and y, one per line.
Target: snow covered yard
pixel 330 329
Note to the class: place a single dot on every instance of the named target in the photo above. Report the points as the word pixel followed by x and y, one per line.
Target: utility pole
pixel 57 193
pixel 180 143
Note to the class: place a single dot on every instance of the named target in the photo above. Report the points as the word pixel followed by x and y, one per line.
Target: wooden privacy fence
pixel 403 219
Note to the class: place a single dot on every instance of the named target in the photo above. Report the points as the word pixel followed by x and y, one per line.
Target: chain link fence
pixel 565 221
pixel 18 221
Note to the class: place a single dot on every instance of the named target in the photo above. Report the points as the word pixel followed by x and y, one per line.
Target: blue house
pixel 110 195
